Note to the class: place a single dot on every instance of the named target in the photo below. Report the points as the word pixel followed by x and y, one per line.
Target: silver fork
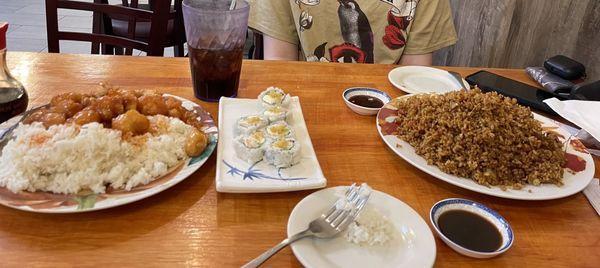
pixel 328 225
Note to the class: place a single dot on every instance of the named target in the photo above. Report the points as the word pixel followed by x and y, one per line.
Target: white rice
pixel 370 228
pixel 68 159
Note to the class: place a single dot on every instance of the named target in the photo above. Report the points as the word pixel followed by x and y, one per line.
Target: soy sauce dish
pixel 470 228
pixel 365 101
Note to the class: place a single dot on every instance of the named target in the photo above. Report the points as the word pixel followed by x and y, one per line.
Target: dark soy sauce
pixel 470 230
pixel 366 101
pixel 13 101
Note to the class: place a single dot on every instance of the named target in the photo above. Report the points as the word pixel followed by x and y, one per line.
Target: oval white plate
pixel 413 244
pixel 43 202
pixel 422 79
pixel 573 183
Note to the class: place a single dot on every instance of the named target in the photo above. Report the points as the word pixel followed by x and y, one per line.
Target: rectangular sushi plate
pixel 237 176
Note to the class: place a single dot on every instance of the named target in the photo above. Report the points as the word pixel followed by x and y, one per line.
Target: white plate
pixel 236 176
pixel 422 79
pixel 573 183
pixel 60 203
pixel 413 244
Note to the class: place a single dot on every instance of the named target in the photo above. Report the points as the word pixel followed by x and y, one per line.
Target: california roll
pixel 283 153
pixel 248 124
pixel 274 96
pixel 250 148
pixel 276 113
pixel 278 130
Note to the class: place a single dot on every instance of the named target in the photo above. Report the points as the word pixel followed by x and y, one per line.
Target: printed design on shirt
pixel 403 8
pixel 308 2
pixel 305 21
pixel 356 32
pixel 318 54
pixel 348 53
pixel 399 17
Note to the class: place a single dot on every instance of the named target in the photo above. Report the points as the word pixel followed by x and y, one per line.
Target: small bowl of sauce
pixel 470 228
pixel 364 100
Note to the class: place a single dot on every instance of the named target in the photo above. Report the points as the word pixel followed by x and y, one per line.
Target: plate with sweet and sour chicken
pixel 84 152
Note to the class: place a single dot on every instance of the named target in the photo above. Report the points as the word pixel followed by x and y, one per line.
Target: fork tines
pixel 346 209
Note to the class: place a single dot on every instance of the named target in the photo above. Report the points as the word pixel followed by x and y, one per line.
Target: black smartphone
pixel 525 94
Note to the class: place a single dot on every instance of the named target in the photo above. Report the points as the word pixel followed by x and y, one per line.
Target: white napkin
pixel 592 192
pixel 582 113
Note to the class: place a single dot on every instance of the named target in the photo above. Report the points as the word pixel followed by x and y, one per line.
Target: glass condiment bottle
pixel 13 97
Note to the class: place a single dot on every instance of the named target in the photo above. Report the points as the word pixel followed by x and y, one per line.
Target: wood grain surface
pixel 521 33
pixel 193 225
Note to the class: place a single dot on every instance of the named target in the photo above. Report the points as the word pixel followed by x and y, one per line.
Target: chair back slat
pixel 159 15
pixel 103 38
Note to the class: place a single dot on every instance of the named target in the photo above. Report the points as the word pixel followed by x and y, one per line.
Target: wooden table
pixel 193 225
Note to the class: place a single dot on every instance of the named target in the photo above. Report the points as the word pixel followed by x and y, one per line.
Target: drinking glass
pixel 216 38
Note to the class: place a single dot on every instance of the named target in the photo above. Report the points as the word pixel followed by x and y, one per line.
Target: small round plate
pixel 413 244
pixel 422 79
pixel 44 202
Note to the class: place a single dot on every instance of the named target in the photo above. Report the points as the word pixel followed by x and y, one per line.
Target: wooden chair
pixel 257 51
pixel 153 43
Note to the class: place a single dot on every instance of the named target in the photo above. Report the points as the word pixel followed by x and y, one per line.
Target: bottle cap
pixel 3 30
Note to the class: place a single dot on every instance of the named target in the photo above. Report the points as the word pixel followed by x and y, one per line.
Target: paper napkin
pixel 592 192
pixel 582 113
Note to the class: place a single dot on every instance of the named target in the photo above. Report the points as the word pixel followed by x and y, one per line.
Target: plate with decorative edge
pixel 46 202
pixel 235 175
pixel 575 179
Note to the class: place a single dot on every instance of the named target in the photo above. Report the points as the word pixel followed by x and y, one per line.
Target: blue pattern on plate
pixel 376 91
pixel 253 173
pixel 492 212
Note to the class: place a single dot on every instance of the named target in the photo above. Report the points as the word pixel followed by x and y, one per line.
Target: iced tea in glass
pixel 216 38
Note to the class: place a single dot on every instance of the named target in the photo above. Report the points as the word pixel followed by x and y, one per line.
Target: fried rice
pixel 483 136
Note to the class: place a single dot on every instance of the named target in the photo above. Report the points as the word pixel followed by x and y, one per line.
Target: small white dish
pixel 235 175
pixel 477 208
pixel 422 79
pixel 413 244
pixel 371 92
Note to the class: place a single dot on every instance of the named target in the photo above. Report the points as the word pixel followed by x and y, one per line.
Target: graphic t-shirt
pixel 364 31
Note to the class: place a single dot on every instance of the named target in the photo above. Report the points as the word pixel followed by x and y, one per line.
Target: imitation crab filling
pixel 255 139
pixel 283 144
pixel 278 130
pixel 252 120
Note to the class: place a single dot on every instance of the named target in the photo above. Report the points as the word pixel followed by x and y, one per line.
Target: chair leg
pixel 118 51
pixel 179 50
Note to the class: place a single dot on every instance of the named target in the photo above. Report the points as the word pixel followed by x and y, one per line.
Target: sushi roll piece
pixel 250 148
pixel 248 124
pixel 283 153
pixel 276 113
pixel 274 96
pixel 278 130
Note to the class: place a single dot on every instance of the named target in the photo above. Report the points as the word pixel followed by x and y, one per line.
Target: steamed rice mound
pixel 483 136
pixel 68 159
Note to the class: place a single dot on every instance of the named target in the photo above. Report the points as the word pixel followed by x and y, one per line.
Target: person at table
pixel 404 32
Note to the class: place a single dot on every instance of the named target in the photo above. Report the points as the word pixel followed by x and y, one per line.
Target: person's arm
pixel 422 59
pixel 279 50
